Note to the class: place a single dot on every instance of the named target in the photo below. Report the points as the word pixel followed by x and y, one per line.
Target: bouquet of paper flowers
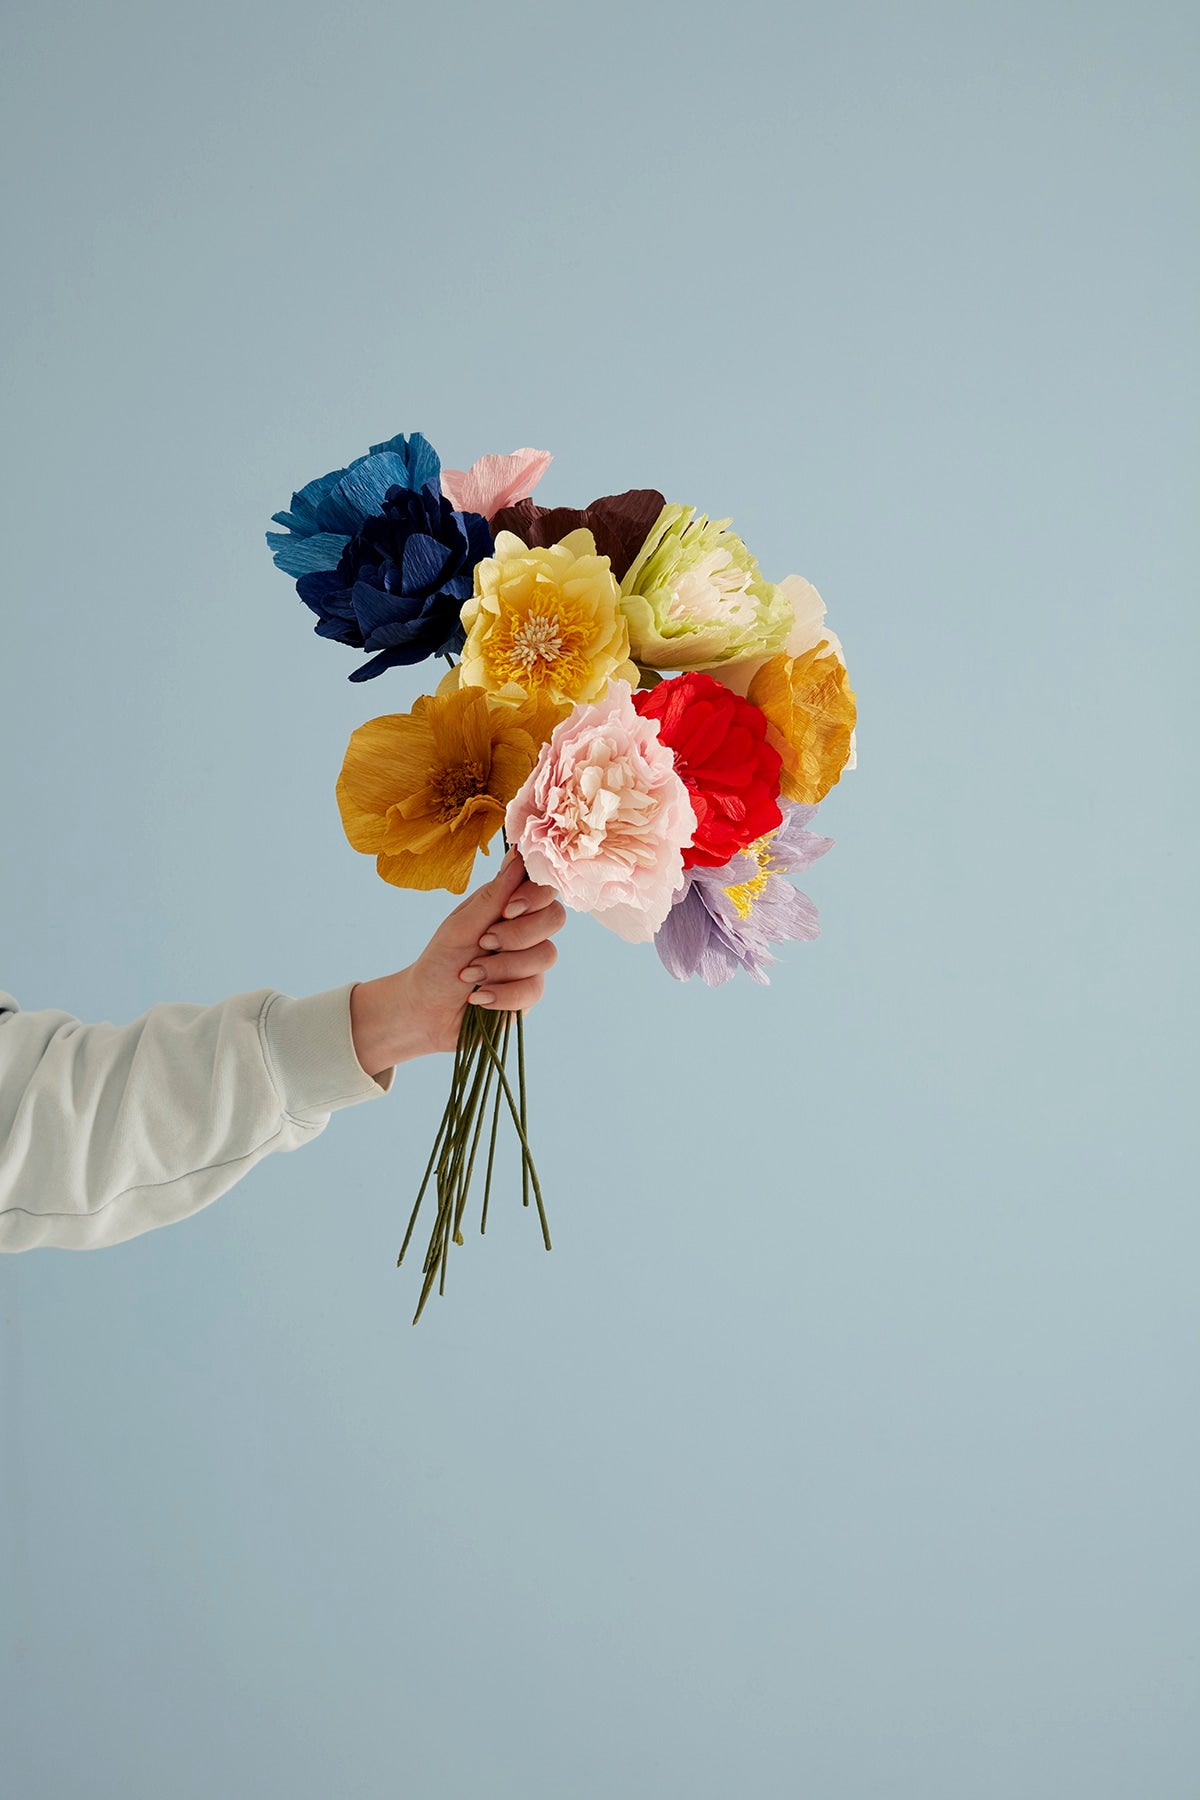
pixel 646 718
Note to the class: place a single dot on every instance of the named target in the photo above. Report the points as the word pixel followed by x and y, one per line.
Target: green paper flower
pixel 695 597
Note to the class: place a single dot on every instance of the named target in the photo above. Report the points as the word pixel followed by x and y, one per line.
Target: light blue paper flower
pixel 327 512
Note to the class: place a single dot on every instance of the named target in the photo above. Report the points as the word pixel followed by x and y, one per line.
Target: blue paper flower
pixel 400 581
pixel 328 512
pixel 381 556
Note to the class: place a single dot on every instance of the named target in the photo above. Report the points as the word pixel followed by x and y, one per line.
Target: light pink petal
pixel 495 481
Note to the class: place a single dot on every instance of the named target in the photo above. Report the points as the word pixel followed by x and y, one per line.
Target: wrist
pixel 384 1023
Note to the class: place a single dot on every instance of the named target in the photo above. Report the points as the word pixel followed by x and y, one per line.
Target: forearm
pixel 108 1131
pixel 386 1022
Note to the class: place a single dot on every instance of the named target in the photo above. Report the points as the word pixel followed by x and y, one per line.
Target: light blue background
pixel 846 1445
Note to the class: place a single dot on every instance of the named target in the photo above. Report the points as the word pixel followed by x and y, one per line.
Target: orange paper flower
pixel 810 711
pixel 422 791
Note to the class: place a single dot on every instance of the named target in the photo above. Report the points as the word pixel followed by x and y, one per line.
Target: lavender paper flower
pixel 727 919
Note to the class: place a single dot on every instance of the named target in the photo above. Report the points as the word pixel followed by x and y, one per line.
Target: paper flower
pixel 805 632
pixel 695 598
pixel 495 481
pixel 545 621
pixel 422 791
pixel 618 523
pixel 604 818
pixel 727 919
pixel 331 509
pixel 400 581
pixel 810 711
pixel 731 772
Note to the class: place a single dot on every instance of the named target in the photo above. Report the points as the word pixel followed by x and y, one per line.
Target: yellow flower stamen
pixel 745 894
pixel 545 644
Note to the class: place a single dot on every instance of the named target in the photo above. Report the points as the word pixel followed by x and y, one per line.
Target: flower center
pixel 745 894
pixel 538 639
pixel 546 644
pixel 453 787
pixel 713 590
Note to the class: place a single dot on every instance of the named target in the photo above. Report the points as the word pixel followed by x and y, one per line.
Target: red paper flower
pixel 721 752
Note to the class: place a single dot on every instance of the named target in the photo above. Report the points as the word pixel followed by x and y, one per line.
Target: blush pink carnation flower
pixel 604 819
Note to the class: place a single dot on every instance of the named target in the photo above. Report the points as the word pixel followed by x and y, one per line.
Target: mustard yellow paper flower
pixel 810 710
pixel 545 621
pixel 422 791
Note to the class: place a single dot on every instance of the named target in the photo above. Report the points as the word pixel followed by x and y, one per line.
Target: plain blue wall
pixel 845 1446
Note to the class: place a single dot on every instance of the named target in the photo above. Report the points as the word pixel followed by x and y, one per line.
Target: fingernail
pixel 489 942
pixel 514 909
pixel 508 859
pixel 481 997
pixel 471 975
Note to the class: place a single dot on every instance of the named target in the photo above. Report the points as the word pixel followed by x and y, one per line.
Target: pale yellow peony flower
pixel 545 622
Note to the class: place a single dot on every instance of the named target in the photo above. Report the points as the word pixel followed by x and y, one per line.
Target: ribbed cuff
pixel 309 1049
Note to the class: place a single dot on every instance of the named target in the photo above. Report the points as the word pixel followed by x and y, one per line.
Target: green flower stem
pixel 480 1063
pixel 487 1185
pixel 516 1119
pixel 443 1128
pixel 521 1087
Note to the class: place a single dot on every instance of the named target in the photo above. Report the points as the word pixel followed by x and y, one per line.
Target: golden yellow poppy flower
pixel 810 711
pixel 545 621
pixel 422 791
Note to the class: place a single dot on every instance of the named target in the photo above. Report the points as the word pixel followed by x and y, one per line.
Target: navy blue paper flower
pixel 401 580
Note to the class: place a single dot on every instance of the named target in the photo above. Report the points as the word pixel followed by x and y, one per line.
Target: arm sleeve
pixel 107 1131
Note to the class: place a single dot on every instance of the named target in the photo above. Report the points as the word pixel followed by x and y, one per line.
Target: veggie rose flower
pixel 695 598
pixel 721 751
pixel 604 818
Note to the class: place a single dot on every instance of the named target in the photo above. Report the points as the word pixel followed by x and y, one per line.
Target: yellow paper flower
pixel 422 791
pixel 810 711
pixel 545 621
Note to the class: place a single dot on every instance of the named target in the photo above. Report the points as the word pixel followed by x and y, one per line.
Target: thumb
pixel 471 918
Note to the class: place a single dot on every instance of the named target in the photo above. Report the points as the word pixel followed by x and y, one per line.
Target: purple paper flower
pixel 726 919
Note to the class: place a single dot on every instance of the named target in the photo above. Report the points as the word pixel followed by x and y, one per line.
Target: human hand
pixel 492 951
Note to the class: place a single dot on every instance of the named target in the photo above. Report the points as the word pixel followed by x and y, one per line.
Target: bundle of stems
pixel 480 1076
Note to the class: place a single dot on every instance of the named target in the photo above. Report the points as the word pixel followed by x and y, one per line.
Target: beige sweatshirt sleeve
pixel 107 1131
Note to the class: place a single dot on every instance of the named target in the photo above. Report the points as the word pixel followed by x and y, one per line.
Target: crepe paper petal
pixel 305 516
pixel 361 492
pixel 399 656
pixel 810 708
pixel 730 918
pixel 326 594
pixel 339 503
pixel 495 481
pixel 618 523
pixel 305 555
pixel 423 562
pixel 683 936
pixel 421 459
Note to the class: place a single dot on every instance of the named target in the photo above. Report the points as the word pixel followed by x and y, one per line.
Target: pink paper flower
pixel 495 481
pixel 604 819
